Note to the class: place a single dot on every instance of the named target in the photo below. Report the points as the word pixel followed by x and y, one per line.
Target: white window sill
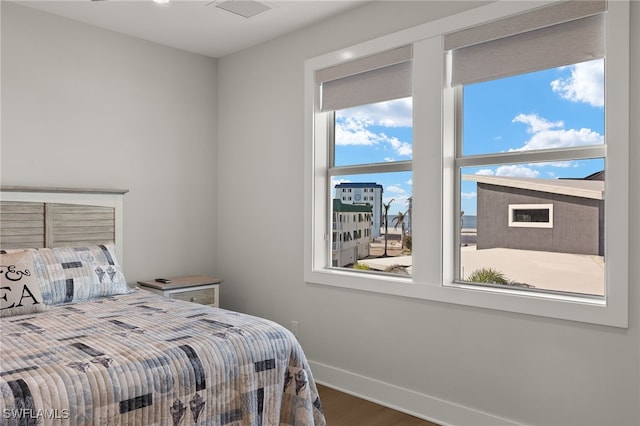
pixel 586 309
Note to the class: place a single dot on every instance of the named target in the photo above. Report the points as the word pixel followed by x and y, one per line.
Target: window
pixel 535 105
pixel 531 215
pixel 471 180
pixel 369 118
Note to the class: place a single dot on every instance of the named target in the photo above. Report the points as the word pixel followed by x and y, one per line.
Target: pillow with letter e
pixel 19 286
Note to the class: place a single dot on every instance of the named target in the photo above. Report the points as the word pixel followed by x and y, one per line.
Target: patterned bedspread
pixel 141 359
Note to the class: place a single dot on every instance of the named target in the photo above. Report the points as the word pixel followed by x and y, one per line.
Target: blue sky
pixel 553 108
pixel 378 133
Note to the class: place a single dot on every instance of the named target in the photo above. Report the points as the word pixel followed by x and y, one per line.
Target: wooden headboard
pixel 53 217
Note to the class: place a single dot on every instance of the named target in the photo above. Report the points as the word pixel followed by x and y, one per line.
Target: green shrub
pixel 361 266
pixel 487 275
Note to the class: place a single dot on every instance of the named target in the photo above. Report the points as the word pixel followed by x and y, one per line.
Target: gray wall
pixel 85 107
pixel 576 222
pixel 524 368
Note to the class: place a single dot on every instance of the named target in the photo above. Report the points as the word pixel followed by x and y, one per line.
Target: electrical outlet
pixel 295 328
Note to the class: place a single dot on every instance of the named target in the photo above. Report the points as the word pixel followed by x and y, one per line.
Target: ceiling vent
pixel 246 8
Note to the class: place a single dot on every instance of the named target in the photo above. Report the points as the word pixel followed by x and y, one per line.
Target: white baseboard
pixel 405 400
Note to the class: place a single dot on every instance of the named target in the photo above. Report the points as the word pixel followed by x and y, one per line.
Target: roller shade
pixel 562 34
pixel 376 78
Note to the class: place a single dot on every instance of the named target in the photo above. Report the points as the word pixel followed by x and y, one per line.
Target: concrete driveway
pixel 575 273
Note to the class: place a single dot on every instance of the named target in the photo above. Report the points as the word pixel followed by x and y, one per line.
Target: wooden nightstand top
pixel 182 282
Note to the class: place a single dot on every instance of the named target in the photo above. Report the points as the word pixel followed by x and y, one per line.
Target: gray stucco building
pixel 557 215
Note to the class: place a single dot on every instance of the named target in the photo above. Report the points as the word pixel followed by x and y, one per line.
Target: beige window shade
pixel 375 78
pixel 558 35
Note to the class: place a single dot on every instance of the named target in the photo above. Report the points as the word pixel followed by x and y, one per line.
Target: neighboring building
pixel 351 232
pixel 557 215
pixel 364 193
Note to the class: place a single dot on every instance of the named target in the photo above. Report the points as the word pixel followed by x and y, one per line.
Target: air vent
pixel 245 8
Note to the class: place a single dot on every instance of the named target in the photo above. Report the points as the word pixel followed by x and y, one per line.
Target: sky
pixel 555 108
pixel 378 133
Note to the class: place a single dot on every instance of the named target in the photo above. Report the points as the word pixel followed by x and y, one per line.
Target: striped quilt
pixel 141 359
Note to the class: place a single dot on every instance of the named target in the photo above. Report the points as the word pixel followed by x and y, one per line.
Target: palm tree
pixel 409 210
pixel 386 224
pixel 399 220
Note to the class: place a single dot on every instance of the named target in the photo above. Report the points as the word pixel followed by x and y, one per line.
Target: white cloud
pixel 562 139
pixel 525 171
pixel 394 189
pixel 354 132
pixel 548 135
pixel 586 83
pixel 560 164
pixel 469 195
pixel 352 125
pixel 512 170
pixel 335 181
pixel 402 148
pixel 397 113
pixel 515 170
pixel 537 124
pixel 485 172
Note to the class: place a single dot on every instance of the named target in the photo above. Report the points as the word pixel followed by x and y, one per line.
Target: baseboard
pixel 405 400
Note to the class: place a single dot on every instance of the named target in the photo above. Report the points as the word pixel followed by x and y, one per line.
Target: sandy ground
pixel 574 273
pixel 376 249
pixel 565 272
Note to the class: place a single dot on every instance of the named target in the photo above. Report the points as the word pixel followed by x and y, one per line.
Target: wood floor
pixel 341 409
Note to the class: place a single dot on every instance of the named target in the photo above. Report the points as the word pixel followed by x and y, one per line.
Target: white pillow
pixel 19 285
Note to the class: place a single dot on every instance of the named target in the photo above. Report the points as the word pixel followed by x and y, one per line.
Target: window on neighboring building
pixel 531 215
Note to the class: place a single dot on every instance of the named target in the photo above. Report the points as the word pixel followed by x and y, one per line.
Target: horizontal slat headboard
pixel 22 224
pixel 72 224
pixel 55 217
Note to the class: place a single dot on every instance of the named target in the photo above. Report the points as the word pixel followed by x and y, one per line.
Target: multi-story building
pixel 351 232
pixel 364 193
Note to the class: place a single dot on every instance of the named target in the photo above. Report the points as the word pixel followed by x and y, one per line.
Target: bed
pixel 78 346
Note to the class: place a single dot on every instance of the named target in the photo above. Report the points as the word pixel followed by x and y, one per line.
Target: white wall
pixel 85 107
pixel 453 363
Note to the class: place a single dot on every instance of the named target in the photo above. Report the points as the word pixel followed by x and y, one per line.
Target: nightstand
pixel 196 288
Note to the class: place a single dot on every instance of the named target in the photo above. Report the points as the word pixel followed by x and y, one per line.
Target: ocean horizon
pixel 468 221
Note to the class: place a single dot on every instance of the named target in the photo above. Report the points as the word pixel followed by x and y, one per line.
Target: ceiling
pixel 197 26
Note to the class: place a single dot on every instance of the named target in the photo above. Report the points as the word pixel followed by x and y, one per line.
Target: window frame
pixel 356 169
pixel 434 178
pixel 531 224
